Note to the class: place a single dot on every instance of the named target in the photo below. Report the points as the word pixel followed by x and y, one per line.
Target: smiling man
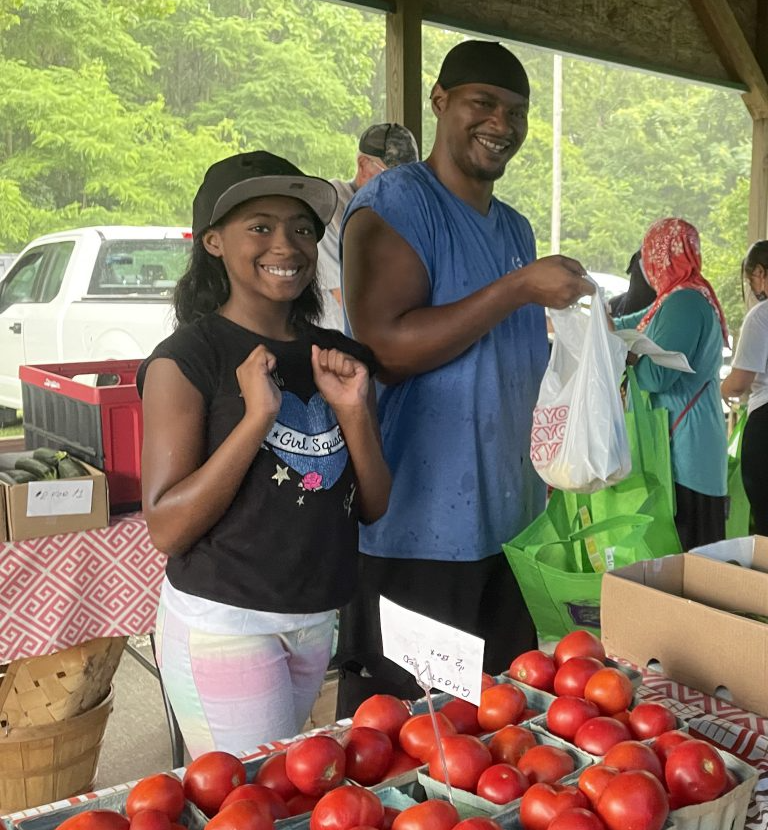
pixel 441 280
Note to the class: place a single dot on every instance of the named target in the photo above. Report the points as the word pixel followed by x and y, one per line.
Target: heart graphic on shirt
pixel 307 437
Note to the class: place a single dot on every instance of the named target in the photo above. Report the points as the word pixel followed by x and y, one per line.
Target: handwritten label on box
pixel 424 647
pixel 59 498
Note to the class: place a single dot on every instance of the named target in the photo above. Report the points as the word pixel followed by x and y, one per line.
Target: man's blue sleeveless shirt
pixel 457 438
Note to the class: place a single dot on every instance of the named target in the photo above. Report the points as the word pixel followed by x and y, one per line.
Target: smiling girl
pixel 261 454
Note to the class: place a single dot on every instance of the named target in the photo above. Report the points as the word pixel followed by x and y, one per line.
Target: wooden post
pixel 758 185
pixel 403 62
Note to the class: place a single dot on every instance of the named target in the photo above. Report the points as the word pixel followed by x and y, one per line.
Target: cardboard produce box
pixel 3 521
pixel 45 508
pixel 683 612
pixel 747 551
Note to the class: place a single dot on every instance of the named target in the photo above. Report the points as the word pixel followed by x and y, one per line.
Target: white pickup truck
pixel 87 294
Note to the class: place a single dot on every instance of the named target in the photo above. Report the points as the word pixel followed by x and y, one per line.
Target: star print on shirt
pixel 281 474
pixel 300 501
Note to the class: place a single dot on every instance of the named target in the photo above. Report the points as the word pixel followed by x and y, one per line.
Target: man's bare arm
pixel 386 291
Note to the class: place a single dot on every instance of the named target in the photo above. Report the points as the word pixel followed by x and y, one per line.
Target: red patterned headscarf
pixel 671 256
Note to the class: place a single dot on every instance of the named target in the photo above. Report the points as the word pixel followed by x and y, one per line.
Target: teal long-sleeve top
pixel 685 322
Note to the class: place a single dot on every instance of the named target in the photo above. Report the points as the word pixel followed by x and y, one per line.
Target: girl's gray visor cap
pixel 318 194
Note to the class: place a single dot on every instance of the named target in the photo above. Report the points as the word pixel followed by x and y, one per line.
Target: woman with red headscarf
pixel 686 317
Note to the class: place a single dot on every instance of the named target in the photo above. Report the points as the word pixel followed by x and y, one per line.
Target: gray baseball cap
pixel 392 143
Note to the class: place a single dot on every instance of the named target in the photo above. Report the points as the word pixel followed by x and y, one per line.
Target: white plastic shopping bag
pixel 579 437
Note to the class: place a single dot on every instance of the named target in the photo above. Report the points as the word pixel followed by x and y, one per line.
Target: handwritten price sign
pixel 59 498
pixel 443 657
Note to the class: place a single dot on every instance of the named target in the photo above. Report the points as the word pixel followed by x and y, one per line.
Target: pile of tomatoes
pixel 155 803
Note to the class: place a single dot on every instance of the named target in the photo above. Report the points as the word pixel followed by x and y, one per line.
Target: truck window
pixel 57 259
pixel 19 286
pixel 139 267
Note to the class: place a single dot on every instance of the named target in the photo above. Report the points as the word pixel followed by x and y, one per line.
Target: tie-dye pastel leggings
pixel 237 692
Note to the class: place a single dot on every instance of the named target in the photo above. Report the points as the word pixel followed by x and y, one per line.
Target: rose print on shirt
pixel 312 481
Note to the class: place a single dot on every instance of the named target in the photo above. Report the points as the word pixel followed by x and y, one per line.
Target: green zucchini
pixel 21 476
pixel 71 468
pixel 5 478
pixel 48 455
pixel 40 469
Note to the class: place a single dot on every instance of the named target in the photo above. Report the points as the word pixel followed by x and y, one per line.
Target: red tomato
pixel 150 820
pixel 401 762
pixel 632 755
pixel 610 689
pixel 667 741
pixel 466 758
pixel 347 807
pixel 417 736
pixel 535 668
pixel 576 818
pixel 269 799
pixel 156 792
pixel 571 677
pixel 96 820
pixel 649 720
pixel 383 712
pixel 500 705
pixel 623 716
pixel 633 799
pixel 502 783
pixel 528 714
pixel 593 780
pixel 598 735
pixel 242 815
pixel 390 814
pixel 272 774
pixel 542 802
pixel 369 754
pixel 509 743
pixel 566 714
pixel 210 778
pixel 432 814
pixel 487 680
pixel 300 804
pixel 477 823
pixel 545 764
pixel 463 715
pixel 315 765
pixel 578 644
pixel 695 773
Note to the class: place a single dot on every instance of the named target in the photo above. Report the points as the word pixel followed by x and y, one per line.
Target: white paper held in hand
pixel 59 498
pixel 427 648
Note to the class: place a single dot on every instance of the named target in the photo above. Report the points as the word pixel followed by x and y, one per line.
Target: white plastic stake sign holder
pixel 437 655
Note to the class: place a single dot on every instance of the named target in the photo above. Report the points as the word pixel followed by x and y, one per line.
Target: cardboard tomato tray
pixel 729 812
pixel 684 615
pixel 469 804
pixel 190 818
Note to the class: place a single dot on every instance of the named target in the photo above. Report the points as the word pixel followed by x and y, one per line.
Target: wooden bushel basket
pixel 40 764
pixel 36 691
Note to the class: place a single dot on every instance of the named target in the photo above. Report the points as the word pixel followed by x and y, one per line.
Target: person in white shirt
pixel 750 374
pixel 381 147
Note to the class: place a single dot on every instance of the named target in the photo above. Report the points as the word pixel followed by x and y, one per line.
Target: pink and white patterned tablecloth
pixel 59 591
pixel 735 730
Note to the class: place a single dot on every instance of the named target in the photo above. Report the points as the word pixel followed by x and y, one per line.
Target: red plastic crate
pixel 101 424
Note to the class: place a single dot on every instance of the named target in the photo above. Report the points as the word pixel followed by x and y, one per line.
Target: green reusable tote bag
pixel 737 523
pixel 552 560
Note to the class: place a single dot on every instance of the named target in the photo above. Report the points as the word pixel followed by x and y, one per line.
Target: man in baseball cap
pixel 381 147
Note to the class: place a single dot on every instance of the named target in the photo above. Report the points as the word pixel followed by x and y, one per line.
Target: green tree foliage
pixel 111 110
